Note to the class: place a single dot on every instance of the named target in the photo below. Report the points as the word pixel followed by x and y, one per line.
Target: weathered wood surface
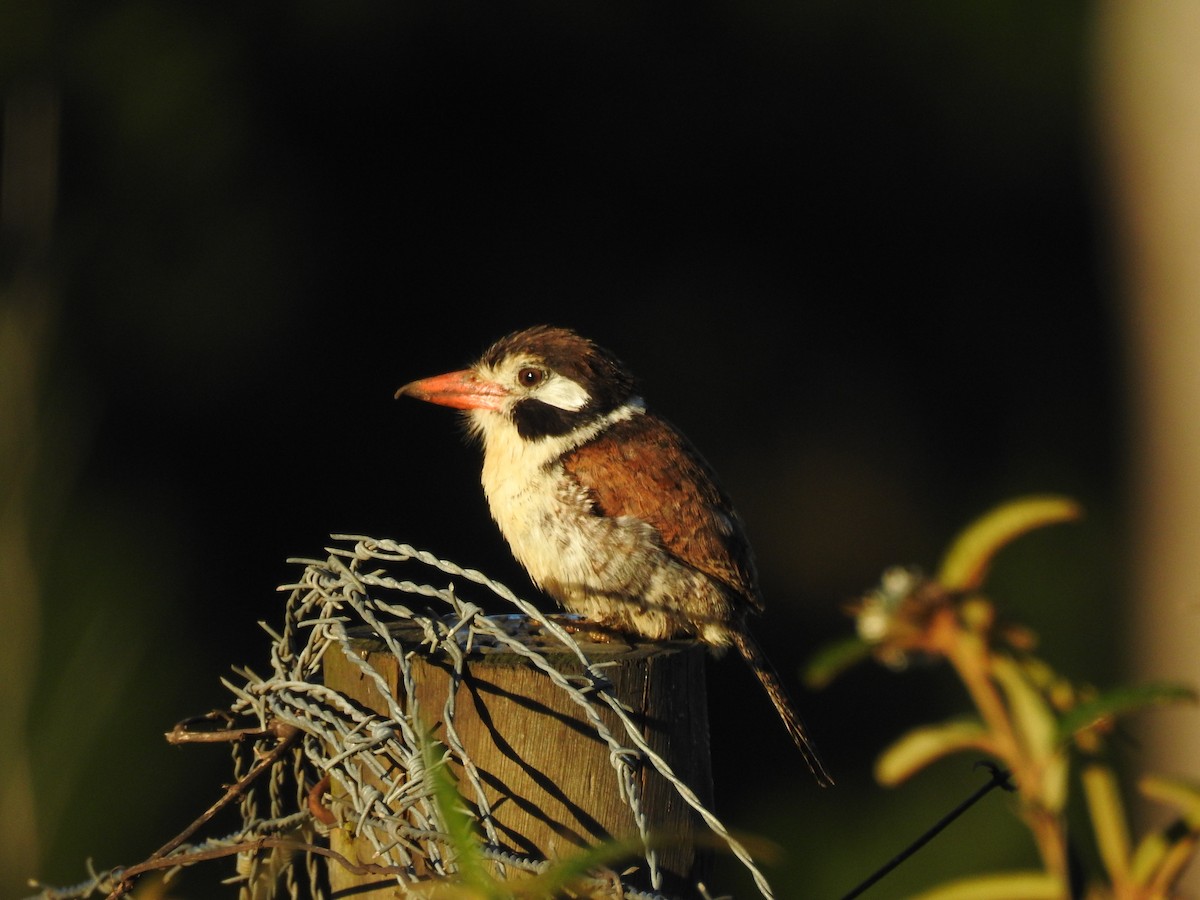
pixel 546 773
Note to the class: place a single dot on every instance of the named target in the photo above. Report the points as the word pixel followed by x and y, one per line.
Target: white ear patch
pixel 563 393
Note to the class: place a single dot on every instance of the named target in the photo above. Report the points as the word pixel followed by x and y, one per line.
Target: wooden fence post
pixel 546 773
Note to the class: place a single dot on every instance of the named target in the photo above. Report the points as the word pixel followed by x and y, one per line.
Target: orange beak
pixel 460 390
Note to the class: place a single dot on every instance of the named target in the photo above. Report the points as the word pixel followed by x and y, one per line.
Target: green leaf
pixel 460 827
pixel 921 746
pixel 1006 886
pixel 1121 700
pixel 967 561
pixel 834 659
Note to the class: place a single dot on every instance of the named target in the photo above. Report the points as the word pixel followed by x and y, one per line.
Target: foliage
pixel 1033 721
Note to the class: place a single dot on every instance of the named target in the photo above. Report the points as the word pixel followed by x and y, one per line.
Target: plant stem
pixel 970 656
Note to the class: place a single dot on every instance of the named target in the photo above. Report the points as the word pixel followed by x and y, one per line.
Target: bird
pixel 609 508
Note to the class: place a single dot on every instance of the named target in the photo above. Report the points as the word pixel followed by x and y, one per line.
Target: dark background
pixel 855 250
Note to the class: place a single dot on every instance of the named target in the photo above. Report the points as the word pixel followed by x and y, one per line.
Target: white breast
pixel 611 570
pixel 539 518
pixel 545 517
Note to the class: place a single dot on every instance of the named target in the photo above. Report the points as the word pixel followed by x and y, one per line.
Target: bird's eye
pixel 530 377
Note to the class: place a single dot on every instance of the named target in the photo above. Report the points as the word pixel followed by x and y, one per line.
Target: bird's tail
pixel 762 668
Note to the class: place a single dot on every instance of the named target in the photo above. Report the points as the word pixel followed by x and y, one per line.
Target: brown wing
pixel 644 468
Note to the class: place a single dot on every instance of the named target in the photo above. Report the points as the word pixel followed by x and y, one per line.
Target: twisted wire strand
pixel 376 759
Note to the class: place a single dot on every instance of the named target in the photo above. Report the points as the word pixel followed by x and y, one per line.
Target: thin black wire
pixel 1000 778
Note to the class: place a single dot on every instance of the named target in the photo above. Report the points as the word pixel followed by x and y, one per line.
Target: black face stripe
pixel 535 419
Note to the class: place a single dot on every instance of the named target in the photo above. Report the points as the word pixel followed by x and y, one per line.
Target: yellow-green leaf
pixel 1005 886
pixel 966 563
pixel 833 659
pixel 1107 812
pixel 921 746
pixel 1150 853
pixel 1181 793
pixel 1034 721
pixel 1032 716
pixel 1055 776
pixel 1162 848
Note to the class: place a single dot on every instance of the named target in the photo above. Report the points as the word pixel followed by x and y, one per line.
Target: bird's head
pixel 546 382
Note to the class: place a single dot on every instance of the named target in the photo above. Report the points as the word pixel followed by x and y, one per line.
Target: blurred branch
pixel 1148 101
pixel 27 310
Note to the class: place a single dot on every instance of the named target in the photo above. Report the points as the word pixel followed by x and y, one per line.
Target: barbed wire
pixel 377 760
